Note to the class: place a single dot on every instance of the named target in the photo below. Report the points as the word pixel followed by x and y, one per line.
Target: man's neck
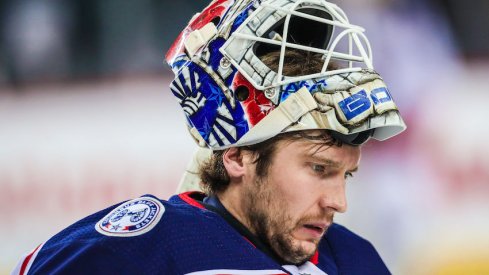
pixel 214 203
pixel 232 200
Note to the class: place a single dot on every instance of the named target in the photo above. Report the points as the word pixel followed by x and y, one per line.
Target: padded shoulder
pixel 339 231
pixel 113 240
pixel 352 253
pixel 139 236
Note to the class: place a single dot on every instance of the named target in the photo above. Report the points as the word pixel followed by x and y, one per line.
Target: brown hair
pixel 215 177
pixel 297 62
pixel 213 173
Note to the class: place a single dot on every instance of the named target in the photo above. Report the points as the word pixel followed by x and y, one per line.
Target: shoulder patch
pixel 131 218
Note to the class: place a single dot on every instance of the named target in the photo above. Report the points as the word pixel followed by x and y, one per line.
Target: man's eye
pixel 318 168
pixel 348 175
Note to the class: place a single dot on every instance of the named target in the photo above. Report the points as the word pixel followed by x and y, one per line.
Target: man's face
pixel 291 207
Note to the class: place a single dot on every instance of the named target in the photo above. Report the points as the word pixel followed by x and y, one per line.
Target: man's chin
pixel 308 247
pixel 295 251
pixel 300 251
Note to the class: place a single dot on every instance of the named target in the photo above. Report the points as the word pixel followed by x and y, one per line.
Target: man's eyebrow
pixel 332 163
pixel 328 162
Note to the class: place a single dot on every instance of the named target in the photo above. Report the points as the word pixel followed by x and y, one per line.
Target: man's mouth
pixel 315 230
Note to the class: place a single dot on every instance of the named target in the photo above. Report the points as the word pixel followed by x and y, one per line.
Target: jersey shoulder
pixel 118 239
pixel 352 253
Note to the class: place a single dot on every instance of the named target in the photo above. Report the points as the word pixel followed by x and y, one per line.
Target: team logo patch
pixel 132 218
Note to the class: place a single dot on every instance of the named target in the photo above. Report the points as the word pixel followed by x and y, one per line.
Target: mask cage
pixel 301 31
pixel 295 29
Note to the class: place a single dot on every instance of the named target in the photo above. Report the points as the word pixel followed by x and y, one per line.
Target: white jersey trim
pixel 238 272
pixel 306 268
pixel 25 262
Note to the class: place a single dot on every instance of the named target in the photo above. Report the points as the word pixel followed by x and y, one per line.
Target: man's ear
pixel 234 163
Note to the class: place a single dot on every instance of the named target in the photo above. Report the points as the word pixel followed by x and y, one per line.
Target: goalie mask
pixel 232 98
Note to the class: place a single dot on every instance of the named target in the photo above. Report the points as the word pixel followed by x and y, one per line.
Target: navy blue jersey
pixel 182 236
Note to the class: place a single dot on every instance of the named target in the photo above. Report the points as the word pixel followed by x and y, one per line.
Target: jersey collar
pixel 212 203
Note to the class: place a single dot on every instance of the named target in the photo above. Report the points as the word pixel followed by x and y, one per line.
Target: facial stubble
pixel 270 222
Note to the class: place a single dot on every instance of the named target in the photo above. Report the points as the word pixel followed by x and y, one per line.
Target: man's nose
pixel 334 196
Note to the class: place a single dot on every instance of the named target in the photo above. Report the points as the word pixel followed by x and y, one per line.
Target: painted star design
pixel 265 108
pixel 215 95
pixel 206 130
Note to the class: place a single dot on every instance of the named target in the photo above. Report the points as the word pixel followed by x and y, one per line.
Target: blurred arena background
pixel 87 120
